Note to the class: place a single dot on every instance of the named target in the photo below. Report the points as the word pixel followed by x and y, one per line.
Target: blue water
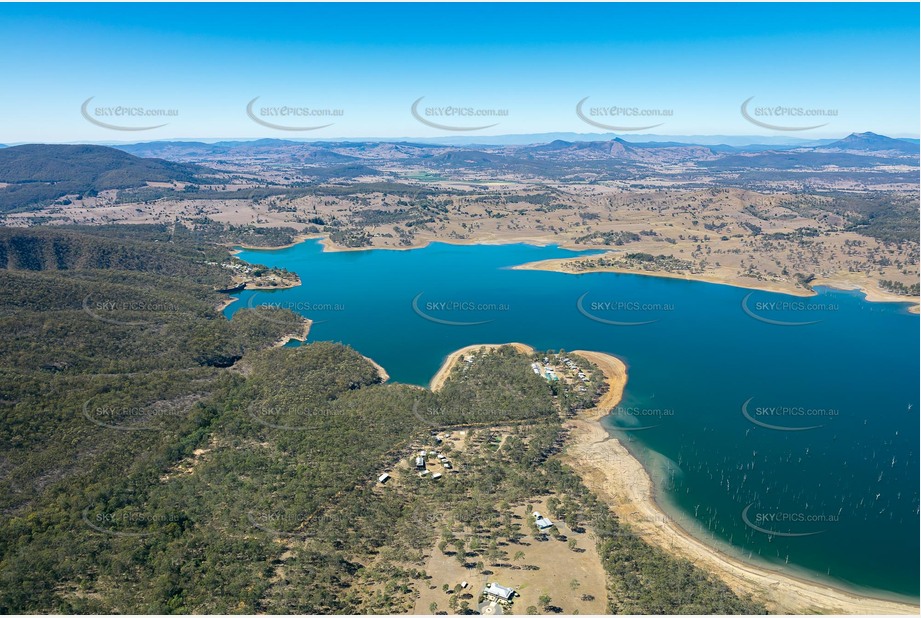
pixel 817 474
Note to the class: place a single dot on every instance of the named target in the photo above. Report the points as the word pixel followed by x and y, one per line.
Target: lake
pixel 780 428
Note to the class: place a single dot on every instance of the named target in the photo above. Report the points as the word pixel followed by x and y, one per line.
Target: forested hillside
pixel 158 458
pixel 36 174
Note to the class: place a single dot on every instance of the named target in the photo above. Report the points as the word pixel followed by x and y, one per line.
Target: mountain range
pixel 41 173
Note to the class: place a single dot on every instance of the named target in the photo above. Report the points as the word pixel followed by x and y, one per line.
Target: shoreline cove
pixel 619 479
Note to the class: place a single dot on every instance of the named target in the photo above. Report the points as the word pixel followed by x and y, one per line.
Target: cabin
pixel 542 522
pixel 498 593
pixel 447 465
pixel 383 478
pixel 436 476
pixel 420 462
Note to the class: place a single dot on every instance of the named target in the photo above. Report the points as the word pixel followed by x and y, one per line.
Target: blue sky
pixel 693 64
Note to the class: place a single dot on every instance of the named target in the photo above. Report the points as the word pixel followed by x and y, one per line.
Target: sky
pixel 67 70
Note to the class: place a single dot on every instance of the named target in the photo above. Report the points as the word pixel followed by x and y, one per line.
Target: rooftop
pixel 500 591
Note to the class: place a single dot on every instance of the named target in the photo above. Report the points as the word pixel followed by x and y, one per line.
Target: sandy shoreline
pixel 226 303
pixel 619 479
pixel 381 372
pixel 872 295
pixel 302 337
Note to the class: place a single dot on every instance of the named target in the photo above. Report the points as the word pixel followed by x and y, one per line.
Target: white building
pixel 542 522
pixel 499 592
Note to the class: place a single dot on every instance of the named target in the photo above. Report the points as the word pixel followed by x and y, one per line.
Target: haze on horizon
pixel 526 71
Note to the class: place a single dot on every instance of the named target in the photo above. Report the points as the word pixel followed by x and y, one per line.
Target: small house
pixel 499 592
pixel 383 478
pixel 542 522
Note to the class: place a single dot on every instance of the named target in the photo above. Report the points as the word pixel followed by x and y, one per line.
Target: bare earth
pixel 562 574
pixel 617 477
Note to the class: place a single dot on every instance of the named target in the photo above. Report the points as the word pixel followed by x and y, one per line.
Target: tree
pixel 544 601
pixel 461 552
pixel 519 555
pixel 433 607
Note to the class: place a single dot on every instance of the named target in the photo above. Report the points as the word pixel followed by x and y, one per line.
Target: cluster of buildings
pixel 548 371
pixel 575 369
pixel 427 462
pixel 425 458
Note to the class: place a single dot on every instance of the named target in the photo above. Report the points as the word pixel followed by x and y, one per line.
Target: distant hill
pixel 789 160
pixel 468 157
pixel 871 143
pixel 642 152
pixel 40 173
pixel 615 147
